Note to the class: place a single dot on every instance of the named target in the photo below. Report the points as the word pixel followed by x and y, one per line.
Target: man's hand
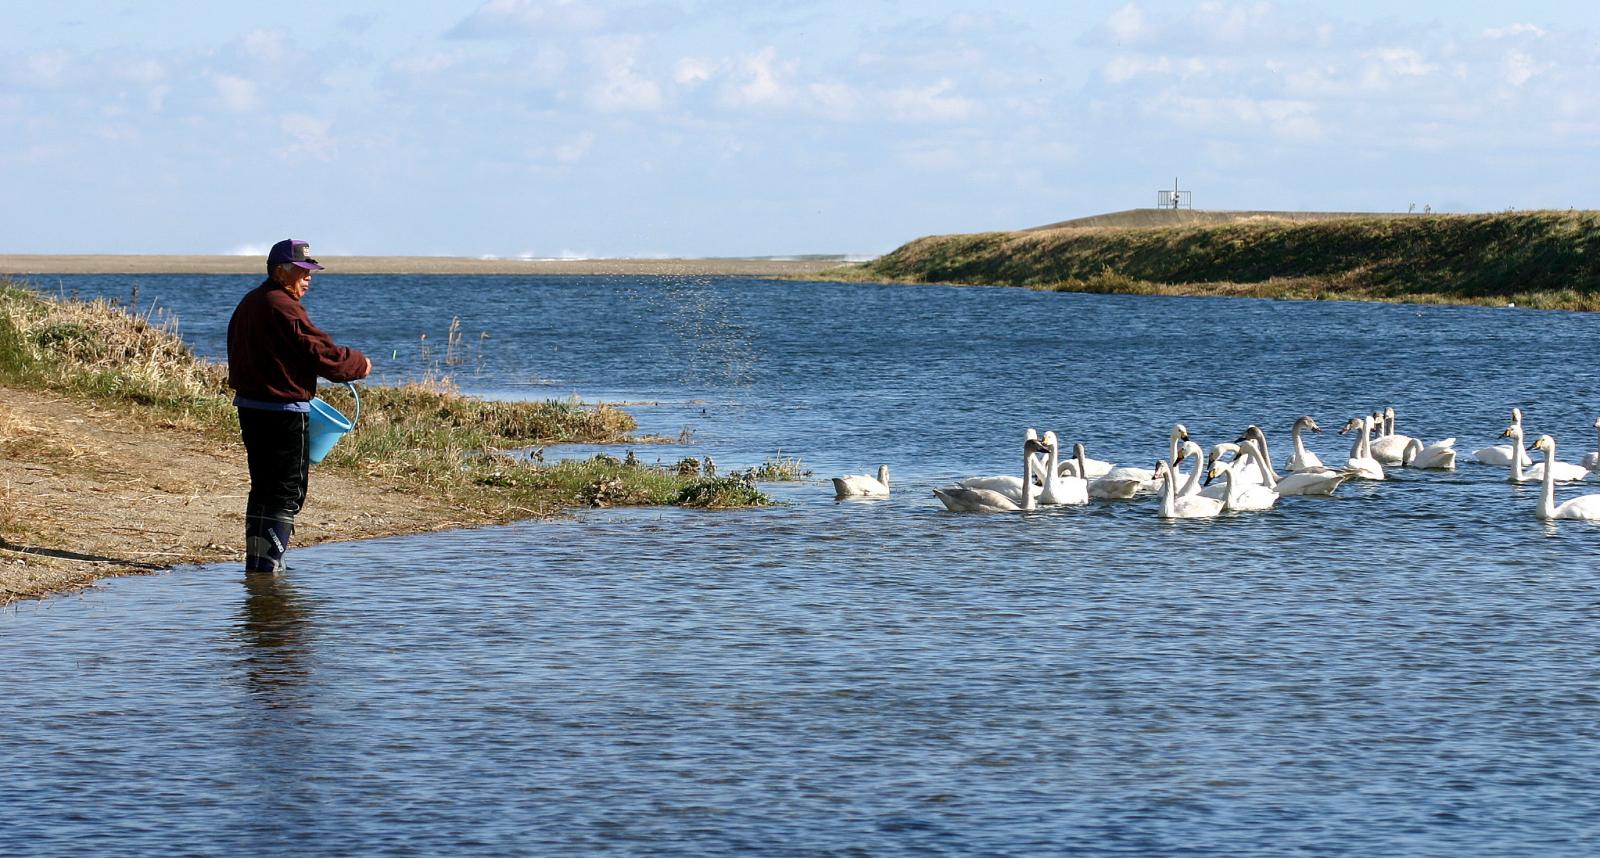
pixel 368 371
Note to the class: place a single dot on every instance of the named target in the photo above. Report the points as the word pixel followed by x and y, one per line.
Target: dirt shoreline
pixel 88 492
pixel 36 264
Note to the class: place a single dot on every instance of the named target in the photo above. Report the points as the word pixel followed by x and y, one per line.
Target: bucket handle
pixel 357 417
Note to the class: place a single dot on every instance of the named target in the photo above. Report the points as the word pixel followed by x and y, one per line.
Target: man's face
pixel 295 280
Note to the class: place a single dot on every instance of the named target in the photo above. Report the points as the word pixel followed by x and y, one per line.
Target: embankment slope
pixel 1542 258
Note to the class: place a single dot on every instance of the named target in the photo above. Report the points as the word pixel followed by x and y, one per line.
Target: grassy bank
pixel 412 439
pixel 1535 259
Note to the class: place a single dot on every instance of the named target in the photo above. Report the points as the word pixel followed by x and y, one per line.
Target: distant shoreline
pixel 35 264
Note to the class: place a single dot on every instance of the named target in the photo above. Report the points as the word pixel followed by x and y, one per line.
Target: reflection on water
pixel 274 626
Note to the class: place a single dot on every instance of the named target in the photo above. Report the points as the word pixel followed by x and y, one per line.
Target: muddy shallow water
pixel 1406 669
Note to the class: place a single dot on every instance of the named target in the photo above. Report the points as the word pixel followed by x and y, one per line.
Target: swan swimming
pixel 1438 456
pixel 1239 496
pixel 1361 463
pixel 1565 472
pixel 1186 506
pixel 1115 485
pixel 1303 459
pixel 1389 448
pixel 1591 459
pixel 1580 508
pixel 1061 490
pixel 862 486
pixel 1319 482
pixel 1500 455
pixel 1006 484
pixel 964 499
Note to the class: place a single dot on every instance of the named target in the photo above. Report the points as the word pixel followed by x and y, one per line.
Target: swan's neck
pixel 1172 446
pixel 1228 485
pixel 1272 477
pixel 1169 495
pixel 1192 487
pixel 1355 444
pixel 1027 479
pixel 1366 441
pixel 883 475
pixel 1388 424
pixel 1299 445
pixel 1264 460
pixel 1516 456
pixel 1547 491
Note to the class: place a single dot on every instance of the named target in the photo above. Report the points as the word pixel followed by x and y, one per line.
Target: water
pixel 1407 669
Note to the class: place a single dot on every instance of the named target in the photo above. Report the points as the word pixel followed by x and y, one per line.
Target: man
pixel 275 355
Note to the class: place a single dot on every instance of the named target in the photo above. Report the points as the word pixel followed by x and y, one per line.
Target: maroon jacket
pixel 275 353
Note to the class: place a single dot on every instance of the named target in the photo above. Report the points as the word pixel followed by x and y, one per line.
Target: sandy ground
pixel 86 493
pixel 26 264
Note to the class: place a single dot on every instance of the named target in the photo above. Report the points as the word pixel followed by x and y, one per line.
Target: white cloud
pixel 1521 68
pixel 755 81
pixel 574 150
pixel 693 72
pixel 619 85
pixel 308 137
pixel 1127 24
pixel 265 46
pixel 1387 66
pixel 929 103
pixel 837 101
pixel 1514 30
pixel 44 69
pixel 1127 66
pixel 237 94
pixel 499 18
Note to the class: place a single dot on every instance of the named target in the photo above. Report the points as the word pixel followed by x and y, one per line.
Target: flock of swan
pixel 1239 476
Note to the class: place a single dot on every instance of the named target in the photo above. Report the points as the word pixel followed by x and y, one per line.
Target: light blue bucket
pixel 328 425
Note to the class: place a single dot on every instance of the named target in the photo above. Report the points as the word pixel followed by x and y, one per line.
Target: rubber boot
pixel 266 541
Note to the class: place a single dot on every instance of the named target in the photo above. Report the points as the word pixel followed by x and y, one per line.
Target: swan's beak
pixel 1315 428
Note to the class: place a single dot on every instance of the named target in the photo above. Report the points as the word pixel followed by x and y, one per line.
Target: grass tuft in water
pixel 780 469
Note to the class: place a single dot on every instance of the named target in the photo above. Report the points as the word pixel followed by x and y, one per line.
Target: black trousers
pixel 276 445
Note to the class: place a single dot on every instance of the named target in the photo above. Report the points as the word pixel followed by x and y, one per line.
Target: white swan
pixel 1060 490
pixel 1500 455
pixel 1361 464
pixel 861 486
pixel 1320 482
pixel 1565 472
pixel 1581 508
pixel 1006 484
pixel 1191 487
pixel 1303 459
pixel 1438 456
pixel 1146 477
pixel 964 499
pixel 1186 506
pixel 1591 459
pixel 1247 474
pixel 1114 485
pixel 1239 496
pixel 1389 448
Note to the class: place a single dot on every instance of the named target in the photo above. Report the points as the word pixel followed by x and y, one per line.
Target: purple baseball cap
pixel 290 250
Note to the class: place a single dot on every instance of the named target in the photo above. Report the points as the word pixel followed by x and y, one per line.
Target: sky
pixel 650 128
